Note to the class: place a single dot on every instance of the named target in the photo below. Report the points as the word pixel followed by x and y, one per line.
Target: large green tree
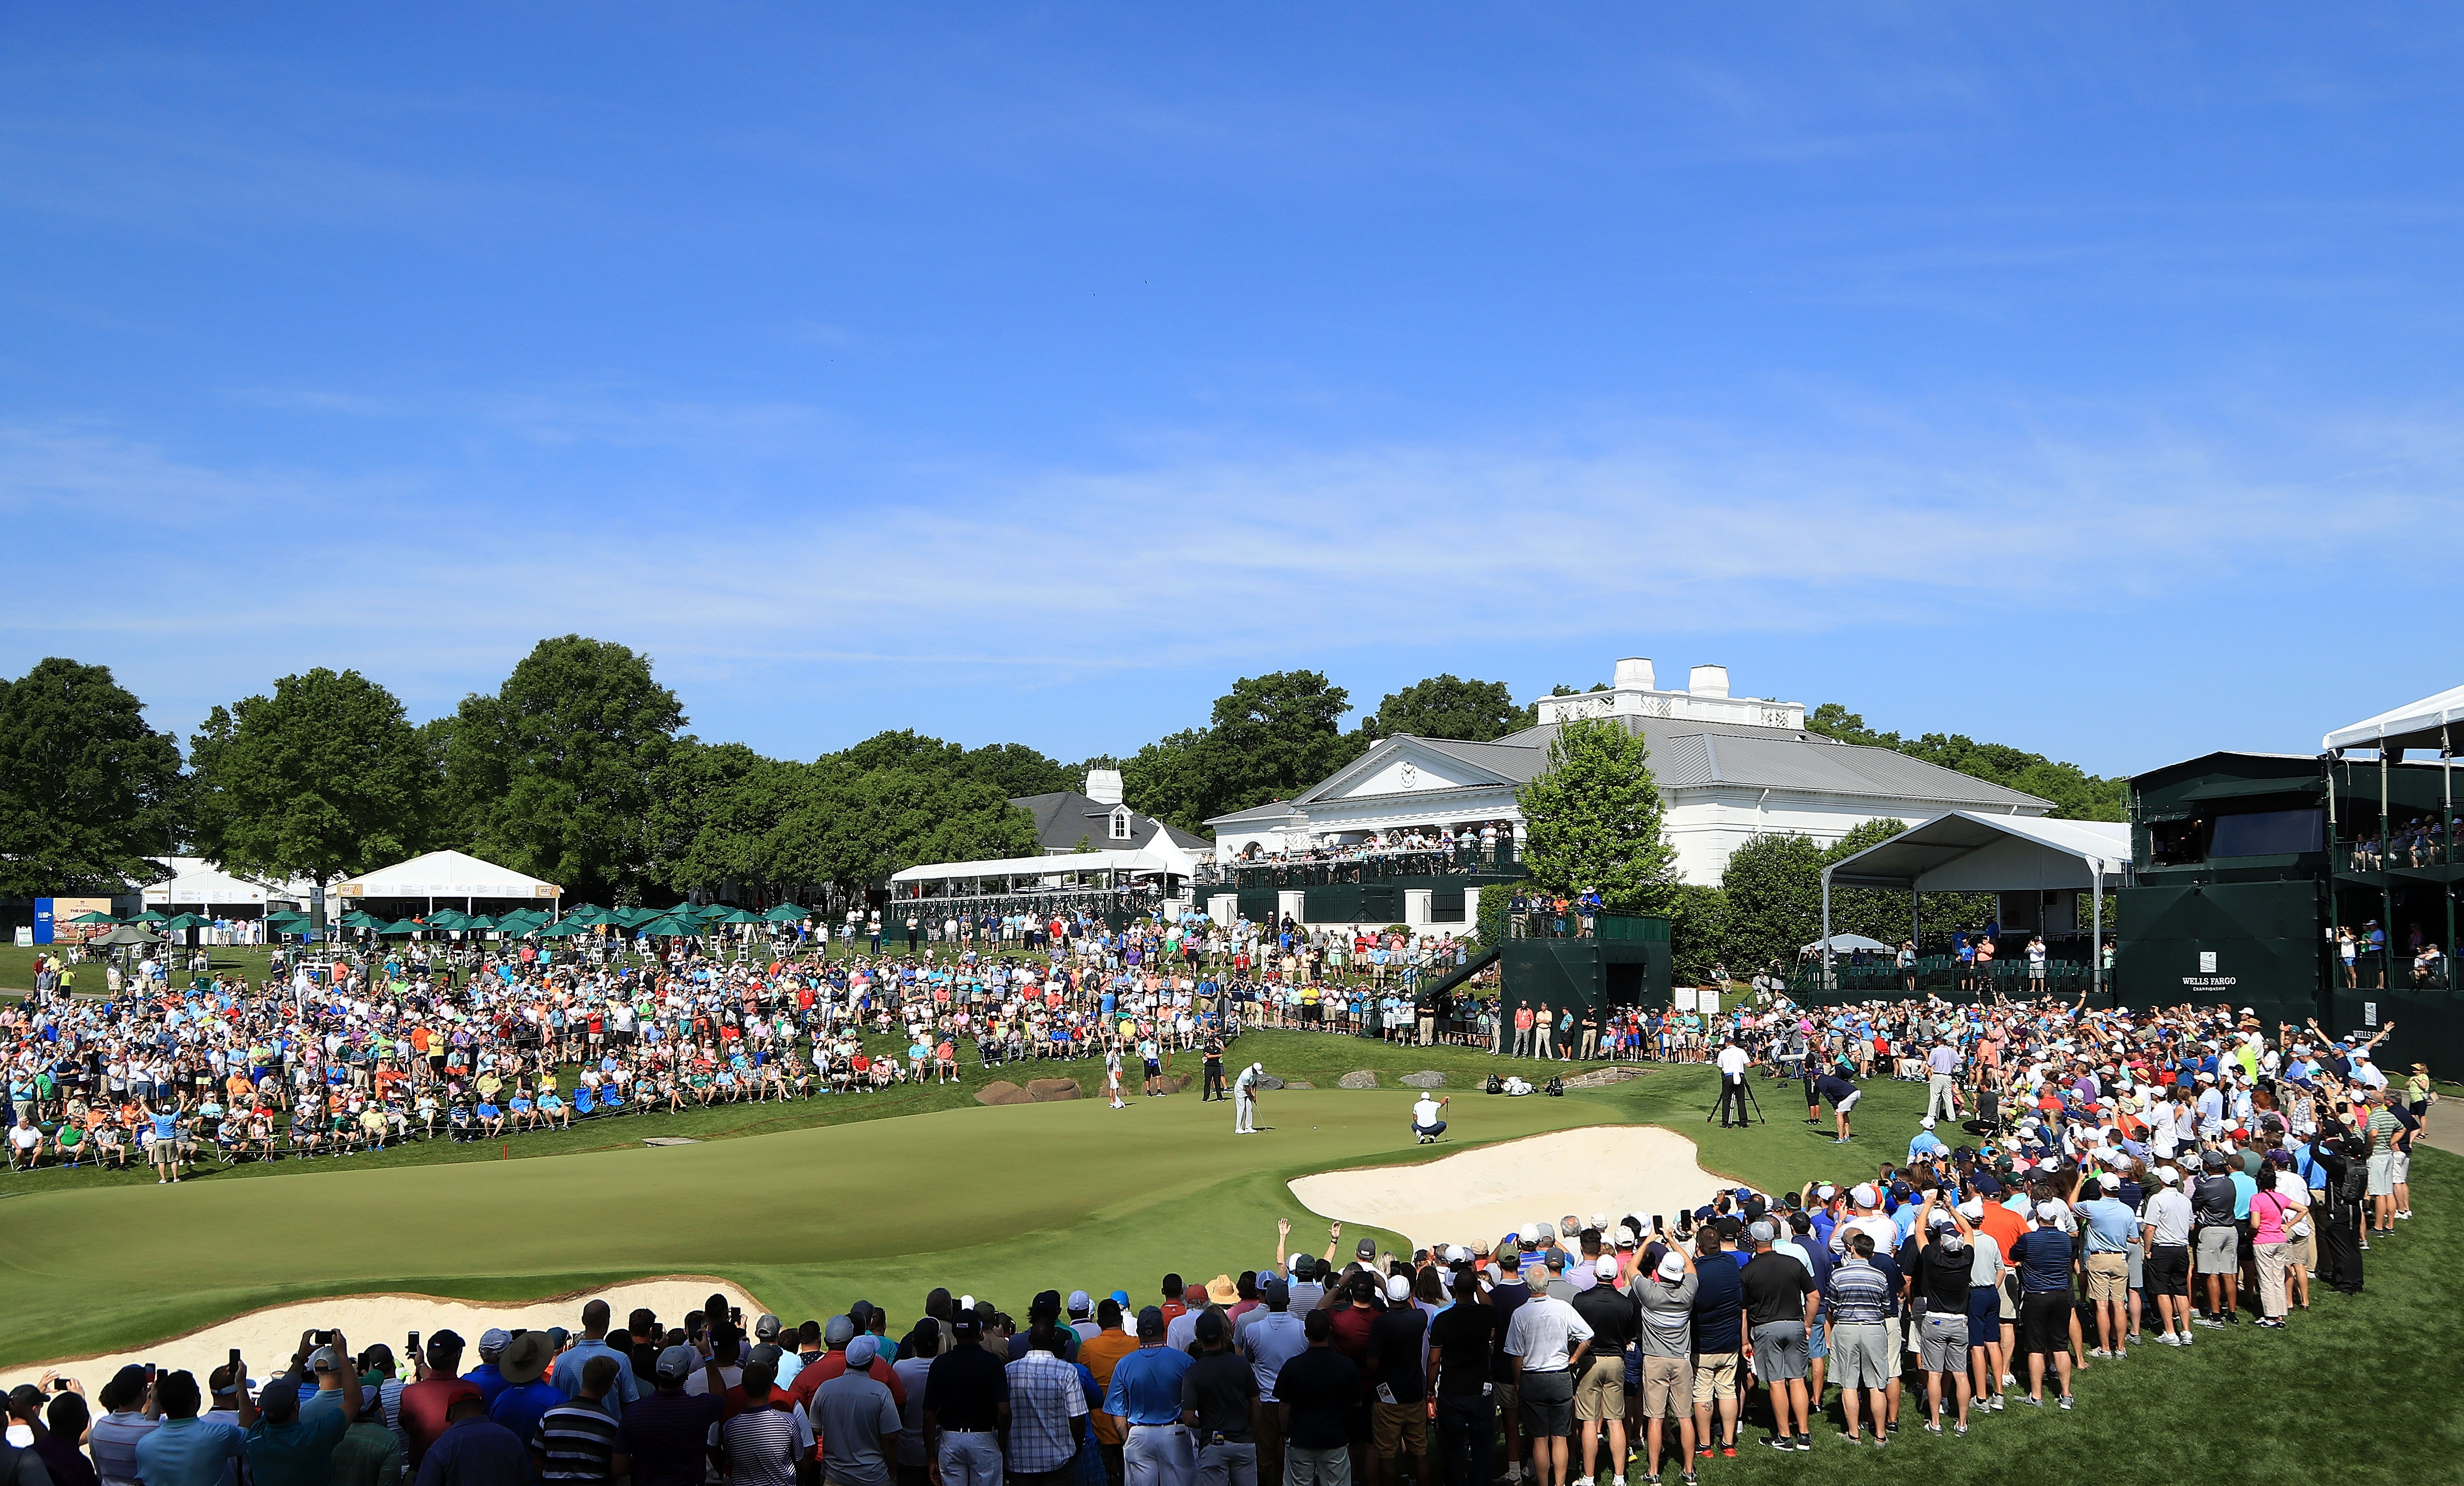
pixel 322 779
pixel 728 816
pixel 557 773
pixel 1772 897
pixel 1269 738
pixel 2075 793
pixel 89 794
pixel 1447 706
pixel 1593 818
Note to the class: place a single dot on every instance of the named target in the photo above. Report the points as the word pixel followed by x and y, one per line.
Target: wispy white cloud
pixel 211 581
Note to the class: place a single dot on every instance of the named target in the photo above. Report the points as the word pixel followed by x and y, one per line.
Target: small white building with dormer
pixel 1728 769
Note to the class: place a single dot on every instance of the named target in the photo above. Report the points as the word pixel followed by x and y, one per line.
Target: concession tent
pixel 450 878
pixel 1965 852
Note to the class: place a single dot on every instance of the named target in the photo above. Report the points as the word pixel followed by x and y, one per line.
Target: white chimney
pixel 1708 681
pixel 1103 786
pixel 1634 676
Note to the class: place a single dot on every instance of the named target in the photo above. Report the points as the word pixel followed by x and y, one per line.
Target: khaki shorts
pixel 1509 1395
pixel 1601 1393
pixel 1394 1427
pixel 1715 1376
pixel 1667 1387
pixel 2108 1277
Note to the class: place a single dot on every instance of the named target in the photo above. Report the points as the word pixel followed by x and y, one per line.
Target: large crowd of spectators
pixel 338 1057
pixel 2084 1188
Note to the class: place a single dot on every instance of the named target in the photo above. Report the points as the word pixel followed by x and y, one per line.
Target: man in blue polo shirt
pixel 184 1450
pixel 1718 1314
pixel 1145 1393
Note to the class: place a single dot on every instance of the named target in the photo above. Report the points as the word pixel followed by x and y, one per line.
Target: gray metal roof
pixel 1688 754
pixel 1702 759
pixel 1062 820
pixel 1272 809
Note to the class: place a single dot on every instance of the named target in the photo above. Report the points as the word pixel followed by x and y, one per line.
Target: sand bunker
pixel 1482 1193
pixel 267 1338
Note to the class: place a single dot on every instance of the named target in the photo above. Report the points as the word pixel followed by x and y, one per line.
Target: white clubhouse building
pixel 1728 767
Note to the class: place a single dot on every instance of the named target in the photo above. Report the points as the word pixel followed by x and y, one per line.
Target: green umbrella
pixel 186 920
pixel 737 916
pixel 152 916
pixel 361 919
pixel 449 919
pixel 404 927
pixel 589 914
pixel 787 913
pixel 94 918
pixel 673 926
pixel 565 929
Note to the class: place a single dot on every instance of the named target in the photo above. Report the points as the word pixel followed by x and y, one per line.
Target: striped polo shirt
pixel 1859 1295
pixel 576 1438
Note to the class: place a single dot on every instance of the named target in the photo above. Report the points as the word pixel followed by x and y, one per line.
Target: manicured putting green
pixel 999 1201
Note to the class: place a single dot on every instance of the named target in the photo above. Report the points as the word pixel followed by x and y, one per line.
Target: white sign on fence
pixel 1686 998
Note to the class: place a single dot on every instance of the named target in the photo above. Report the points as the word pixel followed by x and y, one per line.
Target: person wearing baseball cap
pixel 1615 1319
pixel 2044 1258
pixel 289 1444
pixel 488 1377
pixel 1267 1338
pixel 857 1419
pixel 1244 1099
pixel 1781 1303
pixel 966 1403
pixel 1145 1392
pixel 427 1400
pixel 1665 1296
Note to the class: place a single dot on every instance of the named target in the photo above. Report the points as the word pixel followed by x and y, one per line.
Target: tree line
pixel 579 769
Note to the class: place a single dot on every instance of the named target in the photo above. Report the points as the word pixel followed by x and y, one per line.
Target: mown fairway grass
pixel 839 1200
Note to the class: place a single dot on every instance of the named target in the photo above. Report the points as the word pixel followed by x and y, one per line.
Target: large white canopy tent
pixel 448 876
pixel 1965 852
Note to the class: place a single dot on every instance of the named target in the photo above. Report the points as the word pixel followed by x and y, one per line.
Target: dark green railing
pixel 1939 975
pixel 1498 864
pixel 1608 923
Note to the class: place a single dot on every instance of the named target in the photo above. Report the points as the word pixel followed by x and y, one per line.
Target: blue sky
pixel 2084 380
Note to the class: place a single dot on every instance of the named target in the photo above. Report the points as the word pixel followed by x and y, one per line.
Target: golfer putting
pixel 1427 1121
pixel 1244 1099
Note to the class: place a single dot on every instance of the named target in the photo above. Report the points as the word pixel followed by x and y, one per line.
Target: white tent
pixel 1040 867
pixel 194 880
pixel 1965 852
pixel 1846 944
pixel 2420 724
pixel 448 876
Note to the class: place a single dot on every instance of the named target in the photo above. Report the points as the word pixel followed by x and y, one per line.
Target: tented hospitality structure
pixel 454 878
